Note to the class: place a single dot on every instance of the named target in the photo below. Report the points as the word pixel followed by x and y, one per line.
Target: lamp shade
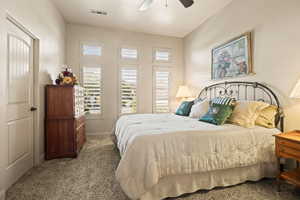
pixel 296 91
pixel 183 92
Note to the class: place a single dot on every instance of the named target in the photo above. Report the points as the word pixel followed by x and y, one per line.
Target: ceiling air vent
pixel 98 12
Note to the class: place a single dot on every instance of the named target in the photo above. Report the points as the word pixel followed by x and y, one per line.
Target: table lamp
pixel 296 91
pixel 183 93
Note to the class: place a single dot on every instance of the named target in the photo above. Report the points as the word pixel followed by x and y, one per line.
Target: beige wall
pixel 112 40
pixel 276 26
pixel 42 19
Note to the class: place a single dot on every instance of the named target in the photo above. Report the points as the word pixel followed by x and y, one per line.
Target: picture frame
pixel 233 58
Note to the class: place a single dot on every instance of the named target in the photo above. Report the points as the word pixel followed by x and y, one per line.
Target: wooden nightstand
pixel 288 146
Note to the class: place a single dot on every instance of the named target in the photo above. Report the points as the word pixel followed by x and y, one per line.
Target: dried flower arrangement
pixel 66 77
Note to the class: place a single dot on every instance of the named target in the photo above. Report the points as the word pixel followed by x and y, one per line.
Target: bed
pixel 165 155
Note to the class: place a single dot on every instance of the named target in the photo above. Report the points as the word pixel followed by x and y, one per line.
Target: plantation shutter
pixel 92 82
pixel 127 53
pixel 128 90
pixel 91 50
pixel 161 91
pixel 162 55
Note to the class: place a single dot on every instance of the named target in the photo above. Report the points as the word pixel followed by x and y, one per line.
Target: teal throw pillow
pixel 217 114
pixel 185 108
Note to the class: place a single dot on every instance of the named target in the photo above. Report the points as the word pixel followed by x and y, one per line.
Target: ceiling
pixel 174 20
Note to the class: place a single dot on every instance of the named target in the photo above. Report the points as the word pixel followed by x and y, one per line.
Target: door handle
pixel 32 109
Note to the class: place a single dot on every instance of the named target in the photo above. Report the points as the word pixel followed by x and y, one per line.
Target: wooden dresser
pixel 288 146
pixel 65 121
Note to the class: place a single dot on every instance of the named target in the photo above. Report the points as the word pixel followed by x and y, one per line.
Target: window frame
pixel 93 61
pixel 129 60
pixel 100 115
pixel 163 69
pixel 89 43
pixel 132 66
pixel 154 60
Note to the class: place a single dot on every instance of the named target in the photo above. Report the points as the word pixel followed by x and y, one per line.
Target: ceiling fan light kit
pixel 187 3
pixel 147 3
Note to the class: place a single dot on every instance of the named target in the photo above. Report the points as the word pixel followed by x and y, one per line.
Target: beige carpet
pixel 91 177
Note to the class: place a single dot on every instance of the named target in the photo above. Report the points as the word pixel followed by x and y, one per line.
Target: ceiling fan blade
pixel 145 5
pixel 187 3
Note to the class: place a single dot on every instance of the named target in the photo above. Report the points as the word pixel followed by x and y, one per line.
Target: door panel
pixel 17 111
pixel 19 139
pixel 18 72
pixel 19 101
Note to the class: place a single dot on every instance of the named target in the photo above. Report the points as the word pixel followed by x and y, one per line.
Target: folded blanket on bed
pixel 155 146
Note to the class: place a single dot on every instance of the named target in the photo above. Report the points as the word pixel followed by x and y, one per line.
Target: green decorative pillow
pixel 185 108
pixel 217 114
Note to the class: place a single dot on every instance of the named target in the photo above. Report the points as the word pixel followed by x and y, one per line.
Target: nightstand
pixel 288 146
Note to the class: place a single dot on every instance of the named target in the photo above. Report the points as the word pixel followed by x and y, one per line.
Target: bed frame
pixel 241 90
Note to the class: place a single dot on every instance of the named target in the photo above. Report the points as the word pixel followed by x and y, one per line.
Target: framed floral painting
pixel 232 59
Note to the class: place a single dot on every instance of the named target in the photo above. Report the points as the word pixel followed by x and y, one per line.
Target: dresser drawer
pixel 287 143
pixel 288 149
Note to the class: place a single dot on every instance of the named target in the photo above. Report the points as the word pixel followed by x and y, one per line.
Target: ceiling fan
pixel 147 3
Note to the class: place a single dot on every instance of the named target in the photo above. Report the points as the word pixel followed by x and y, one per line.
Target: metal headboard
pixel 244 91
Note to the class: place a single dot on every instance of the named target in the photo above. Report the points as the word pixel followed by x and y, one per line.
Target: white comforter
pixel 154 146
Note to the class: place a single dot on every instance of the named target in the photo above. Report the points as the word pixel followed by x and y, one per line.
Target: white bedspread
pixel 154 146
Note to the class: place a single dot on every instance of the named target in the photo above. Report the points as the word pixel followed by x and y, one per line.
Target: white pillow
pixel 199 109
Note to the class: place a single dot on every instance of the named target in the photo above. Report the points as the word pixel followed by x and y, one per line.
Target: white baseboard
pixel 2 195
pixel 39 160
pixel 99 133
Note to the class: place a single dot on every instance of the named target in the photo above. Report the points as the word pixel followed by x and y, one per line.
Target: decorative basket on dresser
pixel 65 121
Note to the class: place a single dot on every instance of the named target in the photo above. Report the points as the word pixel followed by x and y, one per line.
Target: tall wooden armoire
pixel 65 121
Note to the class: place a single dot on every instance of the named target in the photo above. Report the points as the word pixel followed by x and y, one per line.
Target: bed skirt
pixel 175 186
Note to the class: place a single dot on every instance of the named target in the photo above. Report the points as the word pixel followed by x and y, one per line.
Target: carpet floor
pixel 91 177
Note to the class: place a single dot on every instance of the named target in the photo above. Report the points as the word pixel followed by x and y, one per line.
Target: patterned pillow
pixel 217 114
pixel 224 101
pixel 185 108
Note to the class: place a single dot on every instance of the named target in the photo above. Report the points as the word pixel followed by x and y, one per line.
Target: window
pixel 128 53
pixel 92 82
pixel 162 55
pixel 91 50
pixel 128 90
pixel 161 90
